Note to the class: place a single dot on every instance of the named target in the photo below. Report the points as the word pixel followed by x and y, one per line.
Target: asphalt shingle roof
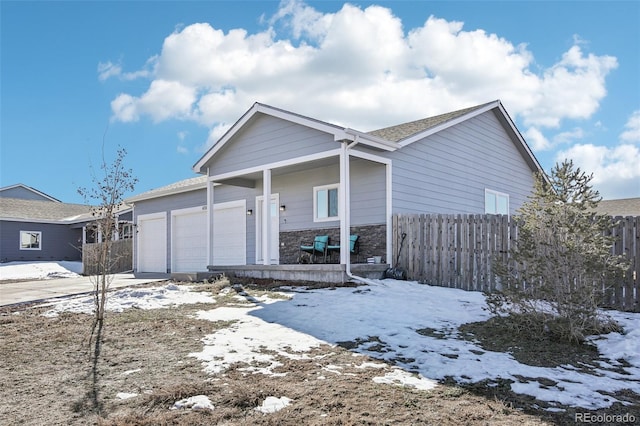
pixel 620 207
pixel 401 131
pixel 14 208
pixel 195 183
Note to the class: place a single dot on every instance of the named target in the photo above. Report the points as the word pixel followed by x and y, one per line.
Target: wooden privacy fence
pixel 120 257
pixel 459 251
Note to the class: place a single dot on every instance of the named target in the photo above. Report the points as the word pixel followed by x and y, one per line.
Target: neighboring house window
pixel 30 240
pixel 127 231
pixel 496 202
pixel 325 203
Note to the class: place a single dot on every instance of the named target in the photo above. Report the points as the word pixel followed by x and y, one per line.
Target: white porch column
pixel 389 213
pixel 266 217
pixel 344 207
pixel 210 259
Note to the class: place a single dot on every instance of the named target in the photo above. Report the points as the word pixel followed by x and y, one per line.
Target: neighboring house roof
pixel 19 210
pixel 620 207
pixel 185 185
pixel 11 189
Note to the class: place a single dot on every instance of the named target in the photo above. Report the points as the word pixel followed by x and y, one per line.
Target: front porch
pixel 325 273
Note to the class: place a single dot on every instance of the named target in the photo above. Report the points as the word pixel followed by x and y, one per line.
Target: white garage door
pixel 189 240
pixel 152 243
pixel 230 233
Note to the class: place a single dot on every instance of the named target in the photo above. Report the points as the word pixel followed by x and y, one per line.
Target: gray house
pixel 37 227
pixel 323 179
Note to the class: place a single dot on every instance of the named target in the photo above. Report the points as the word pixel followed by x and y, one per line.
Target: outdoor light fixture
pixel 283 208
pixel 249 212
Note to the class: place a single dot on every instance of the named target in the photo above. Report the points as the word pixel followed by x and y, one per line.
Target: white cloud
pixel 616 171
pixel 536 139
pixel 359 67
pixel 107 70
pixel 164 100
pixel 632 128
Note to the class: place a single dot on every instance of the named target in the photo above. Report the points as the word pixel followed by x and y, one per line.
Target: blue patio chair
pixel 319 247
pixel 354 246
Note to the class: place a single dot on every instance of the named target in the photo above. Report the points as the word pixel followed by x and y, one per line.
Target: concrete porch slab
pixel 325 273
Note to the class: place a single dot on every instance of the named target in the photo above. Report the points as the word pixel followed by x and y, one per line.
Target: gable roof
pixel 620 207
pixel 19 210
pixel 339 133
pixel 401 131
pixel 24 187
pixel 191 184
pixel 388 138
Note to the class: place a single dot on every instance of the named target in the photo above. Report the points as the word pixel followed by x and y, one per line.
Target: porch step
pixel 196 276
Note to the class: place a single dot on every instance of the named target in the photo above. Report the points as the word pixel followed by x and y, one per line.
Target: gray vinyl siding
pixel 448 172
pixel 59 242
pixel 23 194
pixel 266 140
pixel 296 193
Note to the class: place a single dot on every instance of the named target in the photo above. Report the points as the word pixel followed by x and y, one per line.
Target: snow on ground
pixel 385 318
pixel 39 270
pixel 141 298
pixel 383 321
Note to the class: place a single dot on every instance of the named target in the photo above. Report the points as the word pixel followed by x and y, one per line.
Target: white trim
pixel 315 202
pixel 496 194
pixel 277 164
pixel 210 193
pixel 39 248
pixel 371 157
pixel 266 217
pixel 344 208
pixel 389 204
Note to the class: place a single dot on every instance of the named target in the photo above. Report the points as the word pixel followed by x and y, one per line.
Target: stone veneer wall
pixel 372 242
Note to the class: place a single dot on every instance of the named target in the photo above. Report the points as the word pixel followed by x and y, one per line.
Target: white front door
pixel 275 229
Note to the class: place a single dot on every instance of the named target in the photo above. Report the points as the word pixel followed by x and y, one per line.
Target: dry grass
pixel 47 379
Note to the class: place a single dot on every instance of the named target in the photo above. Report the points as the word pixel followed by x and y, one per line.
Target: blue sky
pixel 165 79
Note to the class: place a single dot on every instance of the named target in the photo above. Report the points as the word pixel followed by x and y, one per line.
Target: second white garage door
pixel 189 240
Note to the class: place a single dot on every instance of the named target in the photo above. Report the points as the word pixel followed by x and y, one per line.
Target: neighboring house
pixel 323 179
pixel 35 226
pixel 620 207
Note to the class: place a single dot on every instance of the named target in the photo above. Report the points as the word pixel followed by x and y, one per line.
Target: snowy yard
pixel 397 334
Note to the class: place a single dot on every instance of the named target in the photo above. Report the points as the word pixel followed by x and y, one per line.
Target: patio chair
pixel 354 246
pixel 319 247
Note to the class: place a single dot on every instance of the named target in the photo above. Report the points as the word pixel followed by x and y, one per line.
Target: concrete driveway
pixel 32 291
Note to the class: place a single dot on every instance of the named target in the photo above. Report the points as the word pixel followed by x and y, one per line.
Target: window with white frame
pixel 325 203
pixel 496 202
pixel 30 240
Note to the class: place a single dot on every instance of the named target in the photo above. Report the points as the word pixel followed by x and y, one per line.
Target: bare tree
pixel 106 196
